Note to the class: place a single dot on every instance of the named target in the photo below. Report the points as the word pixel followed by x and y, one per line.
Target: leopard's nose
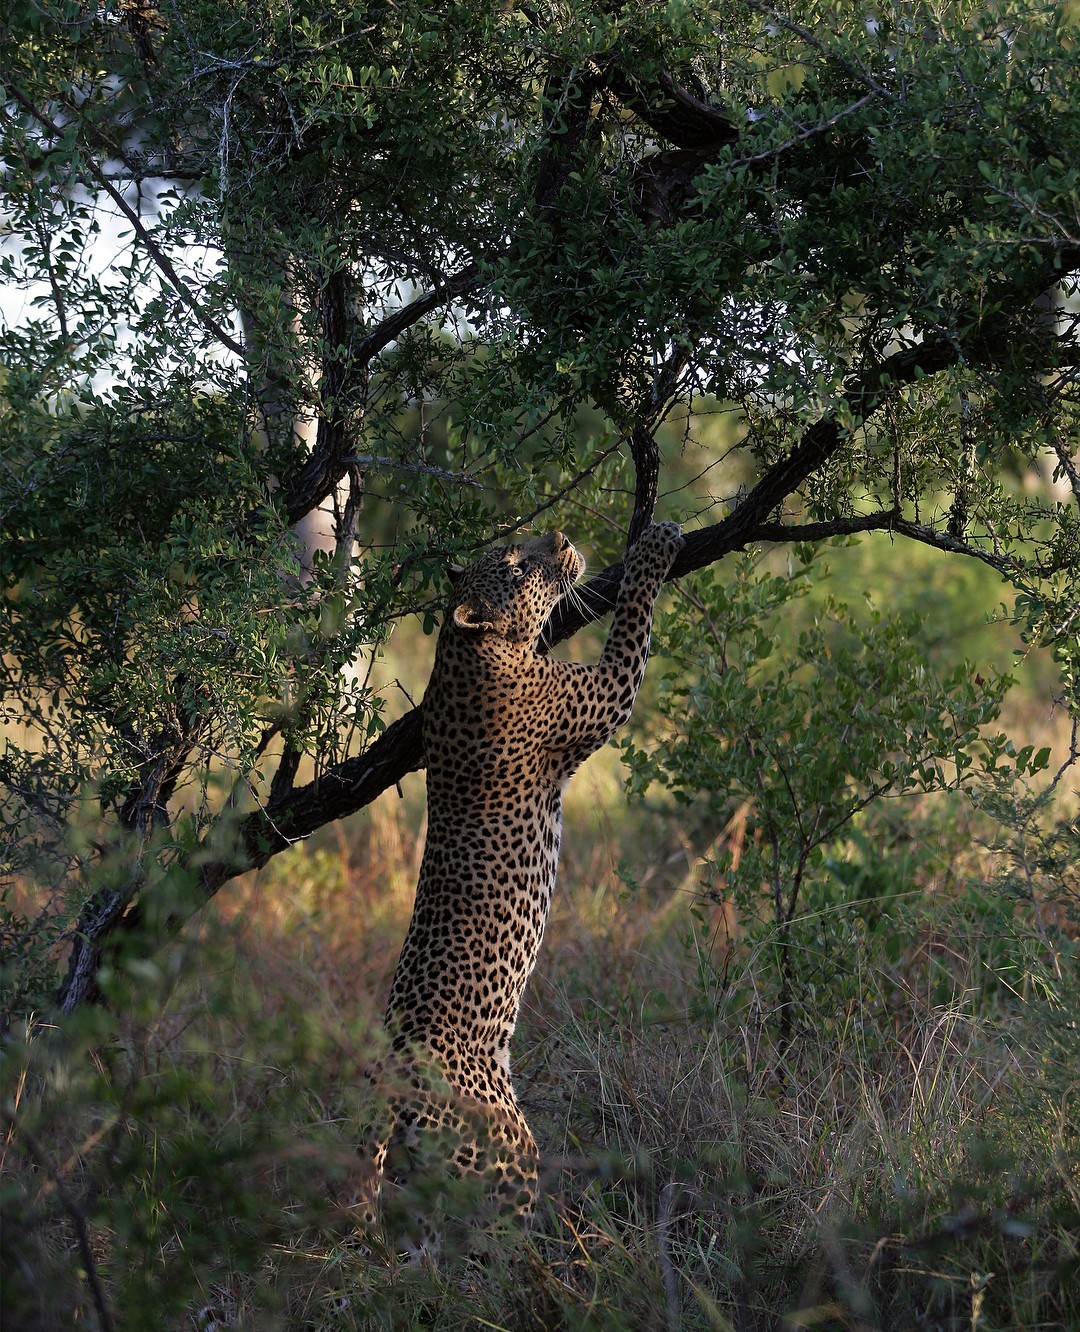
pixel 558 542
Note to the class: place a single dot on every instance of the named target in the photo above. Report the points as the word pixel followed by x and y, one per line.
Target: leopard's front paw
pixel 657 546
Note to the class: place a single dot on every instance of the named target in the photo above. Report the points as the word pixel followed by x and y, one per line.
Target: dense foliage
pixel 304 301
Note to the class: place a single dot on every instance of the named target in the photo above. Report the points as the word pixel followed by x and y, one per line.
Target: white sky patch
pixel 108 256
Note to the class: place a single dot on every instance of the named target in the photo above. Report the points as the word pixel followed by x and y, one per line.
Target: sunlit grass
pixel 910 1160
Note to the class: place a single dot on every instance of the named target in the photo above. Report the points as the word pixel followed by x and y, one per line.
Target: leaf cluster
pixel 804 739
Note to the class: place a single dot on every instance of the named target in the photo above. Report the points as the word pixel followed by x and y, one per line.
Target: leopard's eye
pixel 516 571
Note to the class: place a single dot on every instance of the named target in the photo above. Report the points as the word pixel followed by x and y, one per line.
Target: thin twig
pixel 421 469
pixel 601 457
pixel 856 71
pixel 808 133
pixel 668 1274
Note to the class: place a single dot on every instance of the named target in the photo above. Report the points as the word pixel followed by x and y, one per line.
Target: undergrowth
pixel 906 1156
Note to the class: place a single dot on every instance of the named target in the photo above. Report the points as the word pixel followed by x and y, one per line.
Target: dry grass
pixel 911 1160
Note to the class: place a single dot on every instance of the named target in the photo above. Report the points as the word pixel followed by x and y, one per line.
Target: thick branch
pixel 689 122
pixel 392 327
pixel 341 791
pixel 646 458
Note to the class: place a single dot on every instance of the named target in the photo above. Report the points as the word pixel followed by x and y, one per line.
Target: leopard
pixel 505 726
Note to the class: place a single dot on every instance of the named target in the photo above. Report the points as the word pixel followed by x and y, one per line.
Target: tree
pixel 436 272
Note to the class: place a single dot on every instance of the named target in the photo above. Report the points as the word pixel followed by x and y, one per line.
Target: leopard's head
pixel 510 592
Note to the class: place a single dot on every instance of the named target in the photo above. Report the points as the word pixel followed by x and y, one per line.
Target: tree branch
pixel 392 327
pixel 646 458
pixel 889 520
pixel 689 122
pixel 930 536
pixel 419 469
pixel 328 460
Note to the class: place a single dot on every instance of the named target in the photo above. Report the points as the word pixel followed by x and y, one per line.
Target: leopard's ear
pixel 454 574
pixel 470 618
